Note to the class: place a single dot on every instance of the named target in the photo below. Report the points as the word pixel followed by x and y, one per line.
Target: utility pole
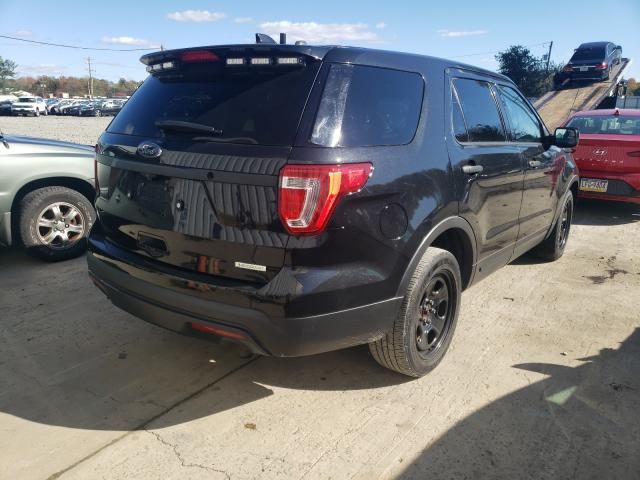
pixel 549 55
pixel 90 78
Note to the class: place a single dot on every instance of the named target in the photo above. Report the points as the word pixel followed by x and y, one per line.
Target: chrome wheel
pixel 60 225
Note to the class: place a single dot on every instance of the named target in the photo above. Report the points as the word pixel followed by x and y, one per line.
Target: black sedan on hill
pixel 593 61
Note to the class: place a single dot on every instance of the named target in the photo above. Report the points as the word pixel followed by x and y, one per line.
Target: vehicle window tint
pixel 259 106
pixel 480 111
pixel 606 125
pixel 523 124
pixel 366 106
pixel 459 127
pixel 592 53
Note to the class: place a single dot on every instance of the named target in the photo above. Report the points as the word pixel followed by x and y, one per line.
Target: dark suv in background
pixel 301 199
pixel 593 61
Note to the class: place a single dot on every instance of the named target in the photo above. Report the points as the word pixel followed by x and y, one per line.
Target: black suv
pixel 593 61
pixel 300 199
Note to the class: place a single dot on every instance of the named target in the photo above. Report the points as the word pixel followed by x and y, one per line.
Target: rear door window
pixel 256 105
pixel 368 106
pixel 480 111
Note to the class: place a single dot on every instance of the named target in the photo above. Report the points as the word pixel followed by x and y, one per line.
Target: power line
pixel 77 47
pixel 497 51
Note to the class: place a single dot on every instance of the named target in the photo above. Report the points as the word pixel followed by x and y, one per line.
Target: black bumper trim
pixel 282 337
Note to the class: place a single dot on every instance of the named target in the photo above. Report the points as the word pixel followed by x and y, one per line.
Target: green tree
pixel 7 70
pixel 527 71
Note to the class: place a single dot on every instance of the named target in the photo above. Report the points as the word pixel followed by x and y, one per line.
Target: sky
pixel 469 31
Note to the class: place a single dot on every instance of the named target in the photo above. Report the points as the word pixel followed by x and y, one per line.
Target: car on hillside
pixel 299 199
pixel 46 193
pixel 608 155
pixel 31 105
pixel 593 61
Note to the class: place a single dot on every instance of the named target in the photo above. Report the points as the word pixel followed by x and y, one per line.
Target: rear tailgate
pixel 208 201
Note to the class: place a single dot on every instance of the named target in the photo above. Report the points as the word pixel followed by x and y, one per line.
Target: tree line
pixel 74 86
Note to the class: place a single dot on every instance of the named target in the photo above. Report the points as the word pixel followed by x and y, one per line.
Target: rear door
pixel 489 169
pixel 188 170
pixel 542 165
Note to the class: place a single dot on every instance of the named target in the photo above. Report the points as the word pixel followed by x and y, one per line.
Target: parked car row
pixel 35 106
pixel 87 108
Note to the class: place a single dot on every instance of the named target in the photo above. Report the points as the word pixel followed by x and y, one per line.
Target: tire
pixel 414 347
pixel 552 248
pixel 37 216
pixel 37 113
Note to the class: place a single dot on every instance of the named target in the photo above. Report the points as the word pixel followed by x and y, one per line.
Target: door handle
pixel 472 169
pixel 535 163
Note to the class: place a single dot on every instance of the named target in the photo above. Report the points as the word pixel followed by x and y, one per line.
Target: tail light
pixel 309 193
pixel 198 56
pixel 567 68
pixel 602 66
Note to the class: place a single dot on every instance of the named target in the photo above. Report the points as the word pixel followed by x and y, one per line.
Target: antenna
pixel 264 38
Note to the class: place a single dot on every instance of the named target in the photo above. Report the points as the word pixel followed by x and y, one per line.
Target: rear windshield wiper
pixel 188 127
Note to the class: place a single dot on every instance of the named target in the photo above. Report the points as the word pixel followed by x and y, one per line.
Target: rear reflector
pixel 309 193
pixel 198 56
pixel 201 327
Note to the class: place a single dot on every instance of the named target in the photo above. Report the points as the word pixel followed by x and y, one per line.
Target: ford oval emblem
pixel 149 150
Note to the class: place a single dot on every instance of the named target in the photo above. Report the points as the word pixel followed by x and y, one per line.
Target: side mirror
pixel 566 137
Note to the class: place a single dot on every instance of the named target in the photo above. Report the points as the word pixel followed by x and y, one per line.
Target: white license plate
pixel 593 185
pixel 584 69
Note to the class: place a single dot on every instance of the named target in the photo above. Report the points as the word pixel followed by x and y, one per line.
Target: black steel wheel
pixel 552 248
pixel 423 330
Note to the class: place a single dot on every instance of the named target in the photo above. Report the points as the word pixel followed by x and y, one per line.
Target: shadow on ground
pixel 605 213
pixel 70 358
pixel 578 423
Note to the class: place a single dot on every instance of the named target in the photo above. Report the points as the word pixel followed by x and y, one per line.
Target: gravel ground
pixel 84 130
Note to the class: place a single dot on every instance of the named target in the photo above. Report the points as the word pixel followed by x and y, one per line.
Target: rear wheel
pixel 37 113
pixel 553 247
pixel 54 222
pixel 423 330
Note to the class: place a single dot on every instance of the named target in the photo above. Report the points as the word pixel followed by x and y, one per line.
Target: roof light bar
pixel 290 61
pixel 157 67
pixel 235 61
pixel 260 61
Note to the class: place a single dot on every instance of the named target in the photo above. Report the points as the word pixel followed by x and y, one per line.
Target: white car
pixel 29 106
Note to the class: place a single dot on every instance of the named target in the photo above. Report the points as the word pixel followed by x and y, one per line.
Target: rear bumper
pixel 590 75
pixel 621 188
pixel 260 324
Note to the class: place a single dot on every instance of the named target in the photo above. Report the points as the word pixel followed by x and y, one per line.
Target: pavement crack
pixel 181 459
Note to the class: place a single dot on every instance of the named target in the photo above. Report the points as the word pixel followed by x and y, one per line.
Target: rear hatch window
pixel 596 54
pixel 248 104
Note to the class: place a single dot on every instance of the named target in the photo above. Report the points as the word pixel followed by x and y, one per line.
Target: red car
pixel 608 154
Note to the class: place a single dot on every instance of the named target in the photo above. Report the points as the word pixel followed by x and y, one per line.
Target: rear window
pixel 589 54
pixel 368 106
pixel 614 125
pixel 261 105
